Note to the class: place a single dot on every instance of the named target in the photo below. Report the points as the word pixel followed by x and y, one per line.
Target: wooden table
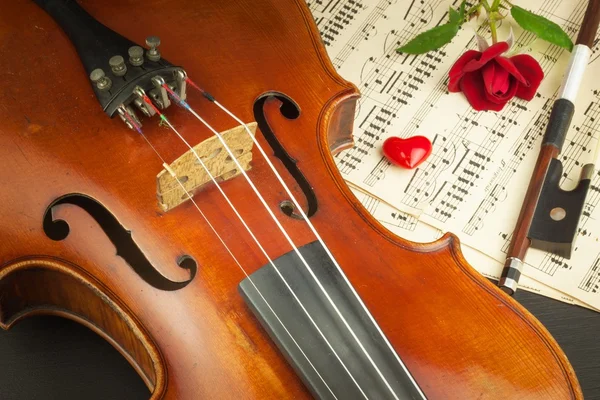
pixel 50 358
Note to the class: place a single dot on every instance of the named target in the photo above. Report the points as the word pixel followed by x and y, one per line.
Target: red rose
pixel 489 80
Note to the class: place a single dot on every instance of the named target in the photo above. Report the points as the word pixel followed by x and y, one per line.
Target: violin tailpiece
pixel 193 176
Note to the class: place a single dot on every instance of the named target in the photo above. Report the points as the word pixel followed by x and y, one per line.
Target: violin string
pixel 254 238
pixel 319 239
pixel 190 197
pixel 309 223
pixel 282 229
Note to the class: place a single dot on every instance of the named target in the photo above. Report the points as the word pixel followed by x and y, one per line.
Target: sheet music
pixel 474 181
pixel 408 227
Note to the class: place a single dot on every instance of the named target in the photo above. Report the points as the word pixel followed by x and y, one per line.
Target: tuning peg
pixel 153 42
pixel 99 78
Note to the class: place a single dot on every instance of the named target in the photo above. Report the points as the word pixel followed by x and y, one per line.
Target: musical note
pixel 591 280
pixel 334 17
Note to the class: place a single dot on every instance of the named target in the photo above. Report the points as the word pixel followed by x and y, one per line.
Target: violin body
pixel 459 336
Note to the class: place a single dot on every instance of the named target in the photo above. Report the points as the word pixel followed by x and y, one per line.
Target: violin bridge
pixel 193 176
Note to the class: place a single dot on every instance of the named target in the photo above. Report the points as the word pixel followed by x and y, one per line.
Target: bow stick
pixel 549 215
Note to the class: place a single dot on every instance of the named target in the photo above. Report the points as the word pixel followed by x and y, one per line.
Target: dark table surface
pixel 51 358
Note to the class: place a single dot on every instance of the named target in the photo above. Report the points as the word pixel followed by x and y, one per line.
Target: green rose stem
pixel 473 11
pixel 493 28
pixel 492 12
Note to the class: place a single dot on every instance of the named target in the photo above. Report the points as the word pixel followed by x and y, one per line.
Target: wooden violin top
pixel 459 336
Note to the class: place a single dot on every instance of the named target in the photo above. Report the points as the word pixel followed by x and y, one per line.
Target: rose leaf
pixel 454 16
pixel 542 27
pixel 457 16
pixel 430 40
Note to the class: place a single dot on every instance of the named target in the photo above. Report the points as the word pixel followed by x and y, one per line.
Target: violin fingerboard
pixel 328 379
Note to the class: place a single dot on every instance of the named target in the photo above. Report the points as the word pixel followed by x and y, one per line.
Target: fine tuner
pixel 129 80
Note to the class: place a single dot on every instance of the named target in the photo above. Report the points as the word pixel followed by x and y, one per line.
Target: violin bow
pixel 549 215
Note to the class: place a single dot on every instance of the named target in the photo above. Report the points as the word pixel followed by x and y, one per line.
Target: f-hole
pixel 127 249
pixel 290 110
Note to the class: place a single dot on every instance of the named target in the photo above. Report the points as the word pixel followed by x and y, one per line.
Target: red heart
pixel 407 153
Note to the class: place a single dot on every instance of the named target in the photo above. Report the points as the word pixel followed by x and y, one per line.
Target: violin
pixel 191 213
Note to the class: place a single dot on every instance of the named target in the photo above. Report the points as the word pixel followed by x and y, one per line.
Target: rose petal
pixel 501 82
pixel 488 72
pixel 508 65
pixel 492 52
pixel 531 71
pixel 496 78
pixel 503 98
pixel 473 87
pixel 456 72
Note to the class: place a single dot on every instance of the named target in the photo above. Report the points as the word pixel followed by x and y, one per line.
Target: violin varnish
pixel 193 176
